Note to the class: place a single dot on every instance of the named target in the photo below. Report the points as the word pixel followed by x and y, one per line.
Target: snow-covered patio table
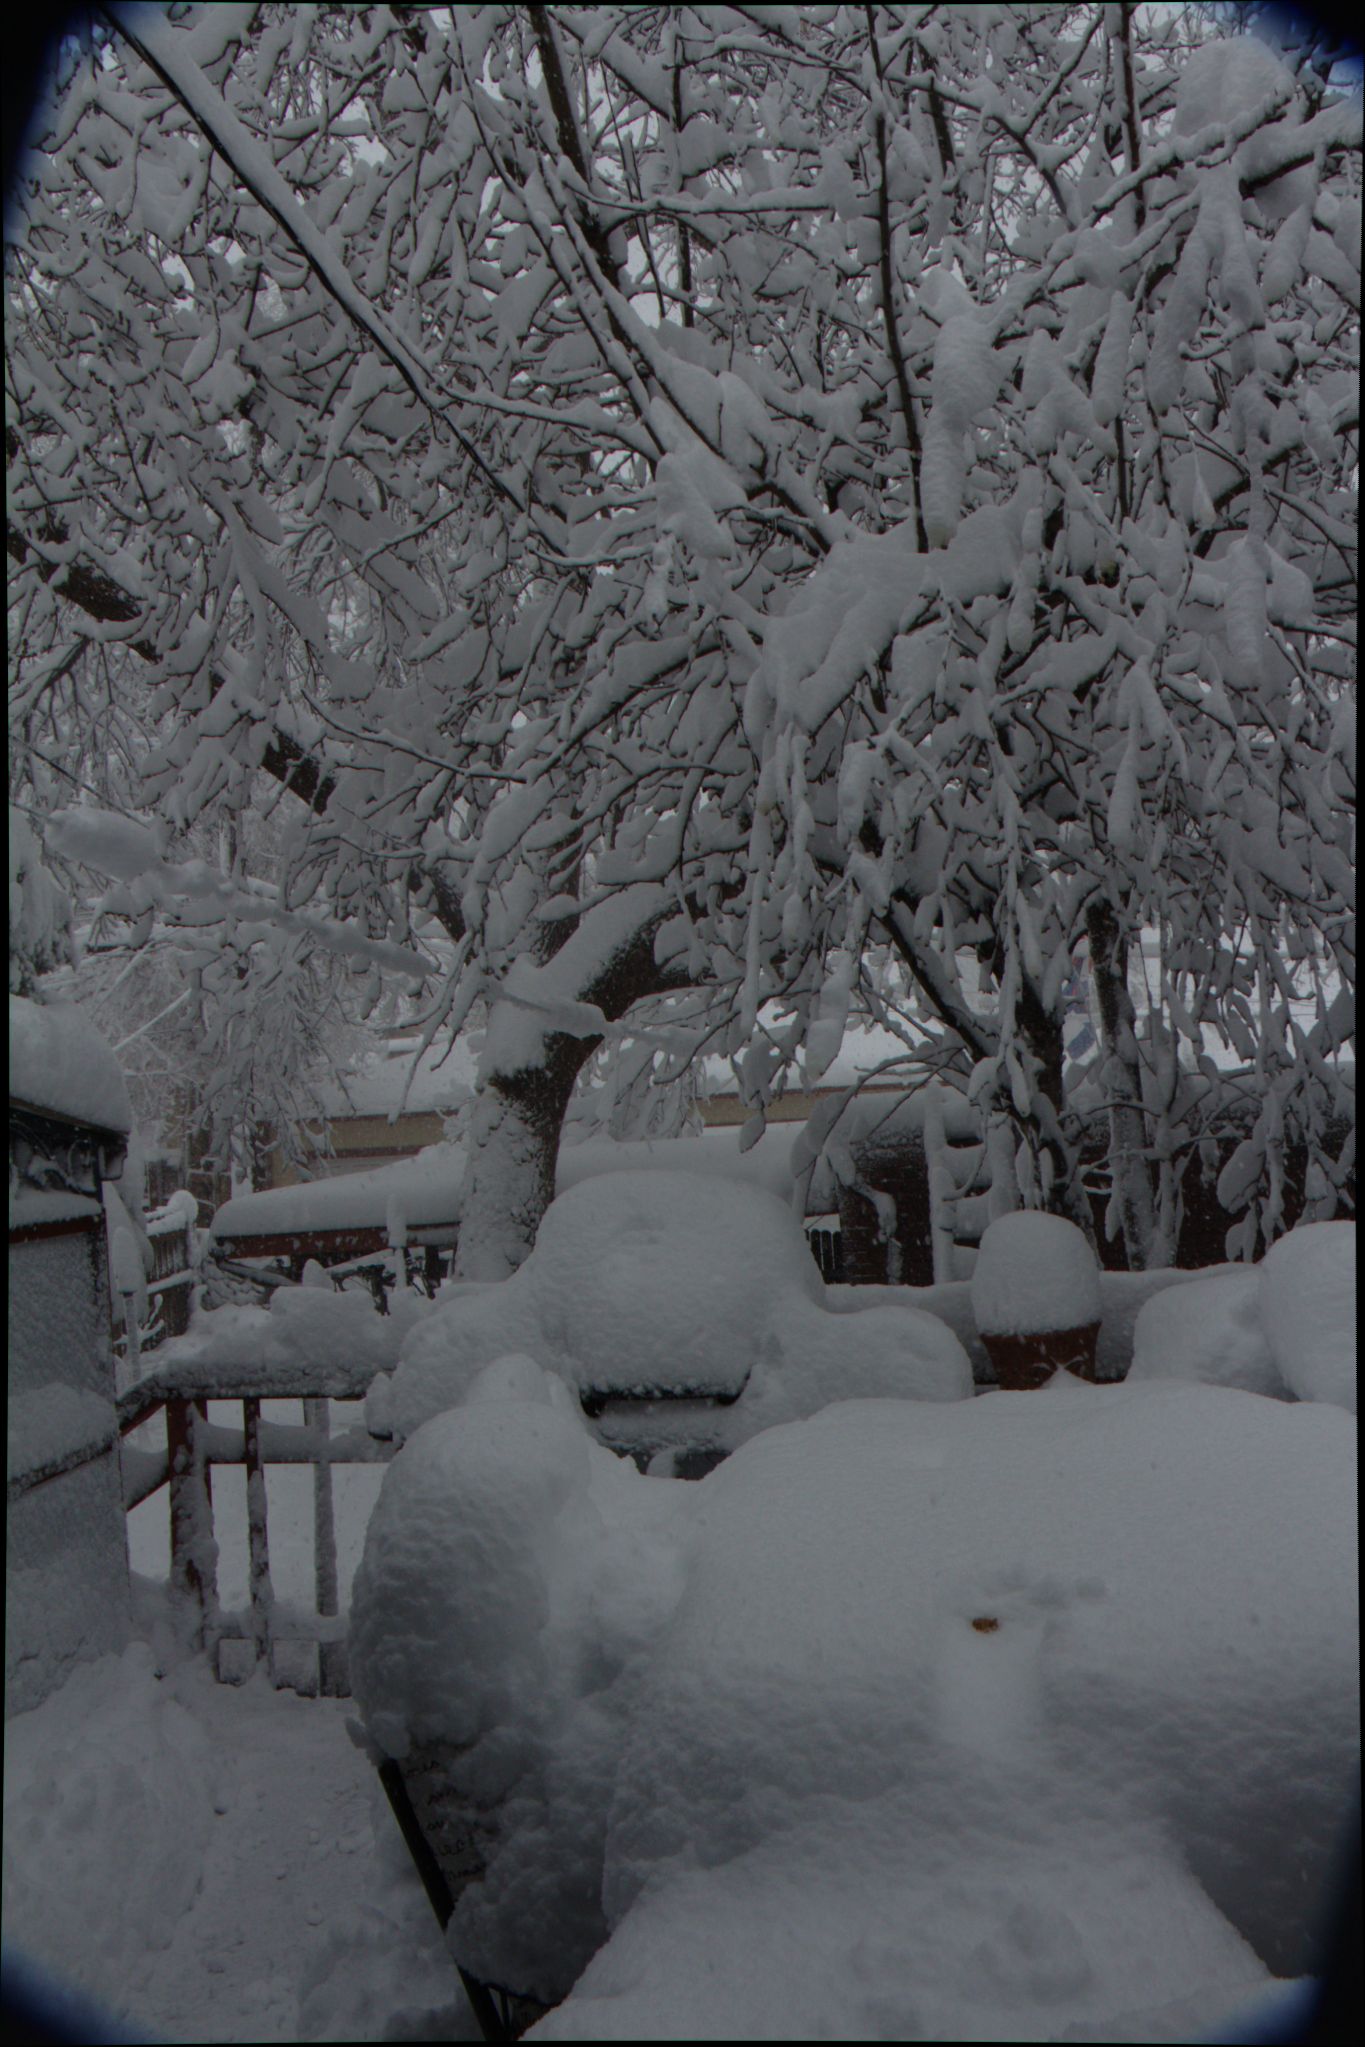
pixel 1025 1716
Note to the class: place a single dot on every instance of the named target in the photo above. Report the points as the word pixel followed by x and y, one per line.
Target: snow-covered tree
pixel 684 496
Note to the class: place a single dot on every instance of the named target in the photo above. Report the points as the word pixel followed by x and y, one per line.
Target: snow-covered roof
pixel 865 1048
pixel 412 1193
pixel 58 1061
pixel 388 1083
pixel 423 1191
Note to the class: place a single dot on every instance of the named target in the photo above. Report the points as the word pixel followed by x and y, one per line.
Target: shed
pixel 67 1594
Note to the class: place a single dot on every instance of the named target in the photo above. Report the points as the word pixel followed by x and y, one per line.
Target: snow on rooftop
pixel 425 1191
pixel 413 1193
pixel 59 1061
pixel 398 1080
pixel 865 1048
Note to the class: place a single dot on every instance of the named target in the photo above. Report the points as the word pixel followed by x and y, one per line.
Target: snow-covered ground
pixel 211 1863
pixel 1026 1716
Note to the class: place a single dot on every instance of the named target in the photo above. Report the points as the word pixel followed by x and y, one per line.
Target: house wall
pixel 360 1142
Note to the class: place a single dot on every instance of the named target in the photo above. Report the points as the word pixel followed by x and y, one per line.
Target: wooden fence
pixel 307 1653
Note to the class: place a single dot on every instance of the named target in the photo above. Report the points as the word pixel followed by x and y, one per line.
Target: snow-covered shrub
pixel 303 1326
pixel 1208 1330
pixel 1308 1311
pixel 642 1281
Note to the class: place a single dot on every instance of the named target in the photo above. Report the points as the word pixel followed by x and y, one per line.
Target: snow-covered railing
pixel 194 1444
pixel 171 1232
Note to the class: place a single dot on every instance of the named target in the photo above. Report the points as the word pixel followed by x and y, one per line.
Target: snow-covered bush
pixel 305 1326
pixel 668 1281
pixel 1308 1311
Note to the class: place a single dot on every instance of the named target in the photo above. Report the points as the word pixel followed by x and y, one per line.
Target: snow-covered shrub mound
pixel 667 1280
pixel 1034 1272
pixel 811 1356
pixel 1308 1310
pixel 1207 1330
pixel 1085 1665
pixel 306 1326
pixel 441 1360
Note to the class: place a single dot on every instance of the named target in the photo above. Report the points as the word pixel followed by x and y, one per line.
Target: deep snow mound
pixel 1033 1273
pixel 1308 1294
pixel 640 1280
pixel 1092 1649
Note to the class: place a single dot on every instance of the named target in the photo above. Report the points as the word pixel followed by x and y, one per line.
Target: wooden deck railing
pixel 194 1445
pixel 170 1287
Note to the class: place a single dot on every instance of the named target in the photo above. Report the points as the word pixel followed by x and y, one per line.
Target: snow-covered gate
pixel 305 1653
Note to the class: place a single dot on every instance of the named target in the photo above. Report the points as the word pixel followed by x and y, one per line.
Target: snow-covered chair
pixel 685 1313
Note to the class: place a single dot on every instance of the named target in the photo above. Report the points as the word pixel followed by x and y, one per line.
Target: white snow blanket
pixel 1029 1717
pixel 1209 1330
pixel 1308 1310
pixel 1284 1328
pixel 648 1281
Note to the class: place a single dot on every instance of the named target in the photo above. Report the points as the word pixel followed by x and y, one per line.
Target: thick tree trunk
pixel 513 1154
pixel 1123 1083
pixel 1040 1028
pixel 607 966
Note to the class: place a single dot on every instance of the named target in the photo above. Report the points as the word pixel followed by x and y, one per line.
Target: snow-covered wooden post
pixel 193 1552
pixel 258 1541
pixel 331 1679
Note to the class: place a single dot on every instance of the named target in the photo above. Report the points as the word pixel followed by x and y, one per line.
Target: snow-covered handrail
pixel 183 1387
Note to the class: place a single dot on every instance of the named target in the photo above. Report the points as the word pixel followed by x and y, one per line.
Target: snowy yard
pixel 751 566
pixel 267 1895
pixel 1031 1715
